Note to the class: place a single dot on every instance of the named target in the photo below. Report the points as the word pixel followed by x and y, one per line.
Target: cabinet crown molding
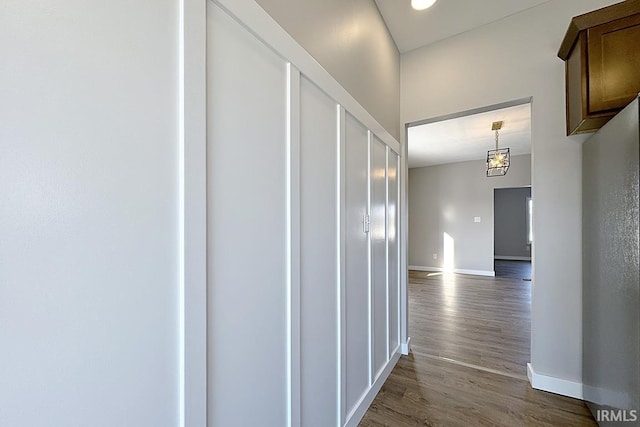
pixel 591 19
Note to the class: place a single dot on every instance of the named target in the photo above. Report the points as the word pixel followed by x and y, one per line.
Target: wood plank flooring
pixel 482 321
pixel 426 392
pixel 470 341
pixel 513 269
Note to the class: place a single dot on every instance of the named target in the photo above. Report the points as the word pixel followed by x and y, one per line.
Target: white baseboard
pixel 490 273
pixel 553 384
pixel 512 258
pixel 405 348
pixel 354 418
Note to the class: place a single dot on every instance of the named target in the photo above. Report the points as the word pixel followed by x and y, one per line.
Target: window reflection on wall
pixel 448 261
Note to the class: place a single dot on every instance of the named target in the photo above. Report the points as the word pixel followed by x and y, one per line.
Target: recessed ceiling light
pixel 422 4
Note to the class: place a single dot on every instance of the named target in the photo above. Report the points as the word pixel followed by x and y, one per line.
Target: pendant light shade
pixel 498 160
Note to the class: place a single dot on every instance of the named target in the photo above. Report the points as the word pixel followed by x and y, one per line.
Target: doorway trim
pixel 473 111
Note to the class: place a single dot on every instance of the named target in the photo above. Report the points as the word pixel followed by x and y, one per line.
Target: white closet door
pixel 357 269
pixel 394 251
pixel 379 254
pixel 319 264
pixel 247 227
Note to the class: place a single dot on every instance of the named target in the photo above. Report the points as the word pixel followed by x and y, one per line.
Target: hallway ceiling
pixel 413 29
pixel 468 138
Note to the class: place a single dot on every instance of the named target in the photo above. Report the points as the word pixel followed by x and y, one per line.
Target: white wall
pixel 507 60
pixel 351 41
pixel 298 299
pixel 101 188
pixel 89 213
pixel 445 199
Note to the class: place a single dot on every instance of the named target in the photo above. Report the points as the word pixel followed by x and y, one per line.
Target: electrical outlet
pixel 435 256
pixel 476 219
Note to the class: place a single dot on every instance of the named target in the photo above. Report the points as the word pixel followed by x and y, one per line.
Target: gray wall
pixel 89 203
pixel 351 41
pixel 445 199
pixel 611 301
pixel 467 71
pixel 510 222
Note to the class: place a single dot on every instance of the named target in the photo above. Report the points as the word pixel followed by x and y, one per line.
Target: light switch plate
pixel 476 219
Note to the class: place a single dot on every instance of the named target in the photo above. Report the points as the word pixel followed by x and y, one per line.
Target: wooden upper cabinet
pixel 601 50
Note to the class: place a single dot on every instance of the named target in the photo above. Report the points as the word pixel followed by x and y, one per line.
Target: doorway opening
pixel 512 232
pixel 457 293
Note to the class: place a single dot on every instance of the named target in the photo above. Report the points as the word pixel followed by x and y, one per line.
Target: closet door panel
pixel 379 254
pixel 318 257
pixel 394 251
pixel 357 264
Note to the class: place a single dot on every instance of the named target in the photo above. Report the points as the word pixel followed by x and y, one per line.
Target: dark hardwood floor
pixel 482 321
pixel 426 392
pixel 513 269
pixel 470 345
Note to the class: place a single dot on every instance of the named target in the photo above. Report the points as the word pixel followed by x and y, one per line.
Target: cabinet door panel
pixel 614 63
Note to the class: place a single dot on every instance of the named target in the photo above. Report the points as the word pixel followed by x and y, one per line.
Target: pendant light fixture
pixel 422 4
pixel 498 160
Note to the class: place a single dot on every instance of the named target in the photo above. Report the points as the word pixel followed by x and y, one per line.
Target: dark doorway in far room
pixel 513 236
